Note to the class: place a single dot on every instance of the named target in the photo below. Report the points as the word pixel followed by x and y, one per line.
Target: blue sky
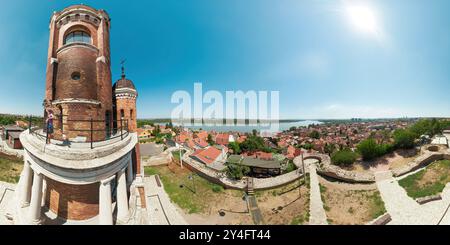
pixel 308 50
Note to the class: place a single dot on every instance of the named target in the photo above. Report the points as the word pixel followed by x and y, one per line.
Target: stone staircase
pixel 250 187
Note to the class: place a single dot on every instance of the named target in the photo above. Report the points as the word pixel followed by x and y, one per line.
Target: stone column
pixel 36 199
pixel 130 171
pixel 44 192
pixel 105 209
pixel 27 176
pixel 122 198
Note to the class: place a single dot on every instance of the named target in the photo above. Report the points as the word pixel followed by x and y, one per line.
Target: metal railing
pixel 111 132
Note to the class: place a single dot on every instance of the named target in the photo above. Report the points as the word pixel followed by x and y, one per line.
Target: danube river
pixel 278 127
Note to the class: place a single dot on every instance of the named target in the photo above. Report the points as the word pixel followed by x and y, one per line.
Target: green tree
pixel 156 131
pixel 235 147
pixel 427 126
pixel 385 136
pixel 344 157
pixel 307 146
pixel 254 143
pixel 210 140
pixel 329 148
pixel 404 139
pixel 314 134
pixel 254 132
pixel 235 171
pixel 368 149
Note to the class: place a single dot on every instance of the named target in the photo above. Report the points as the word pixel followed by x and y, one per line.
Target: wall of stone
pixel 73 202
pixel 421 161
pixel 221 179
pixel 325 168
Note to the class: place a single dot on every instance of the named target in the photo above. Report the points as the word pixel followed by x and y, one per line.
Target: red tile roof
pixel 222 139
pixel 208 155
pixel 202 135
pixel 264 155
pixel 191 144
pixel 241 138
pixel 200 142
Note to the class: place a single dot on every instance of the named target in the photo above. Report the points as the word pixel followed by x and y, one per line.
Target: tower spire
pixel 123 67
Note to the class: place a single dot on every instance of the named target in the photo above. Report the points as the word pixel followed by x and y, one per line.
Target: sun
pixel 363 18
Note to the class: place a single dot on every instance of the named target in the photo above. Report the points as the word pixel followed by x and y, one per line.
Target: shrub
pixel 290 167
pixel 217 188
pixel 428 126
pixel 344 157
pixel 383 149
pixel 314 134
pixel 404 139
pixel 235 147
pixel 235 171
pixel 307 146
pixel 369 149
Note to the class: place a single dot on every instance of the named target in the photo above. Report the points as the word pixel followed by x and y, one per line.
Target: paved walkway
pixel 317 213
pixel 406 211
pixel 6 196
pixel 447 135
pixel 161 210
pixel 254 210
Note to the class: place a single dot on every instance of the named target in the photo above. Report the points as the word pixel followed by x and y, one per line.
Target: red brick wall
pixel 94 68
pixel 127 104
pixel 76 121
pixel 73 202
pixel 77 59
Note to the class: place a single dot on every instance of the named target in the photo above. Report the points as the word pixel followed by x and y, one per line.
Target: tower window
pixel 131 114
pixel 77 37
pixel 76 76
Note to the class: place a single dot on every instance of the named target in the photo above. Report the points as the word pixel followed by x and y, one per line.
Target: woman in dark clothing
pixel 49 126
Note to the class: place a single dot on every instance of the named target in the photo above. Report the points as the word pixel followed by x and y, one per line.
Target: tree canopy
pixel 404 139
pixel 344 157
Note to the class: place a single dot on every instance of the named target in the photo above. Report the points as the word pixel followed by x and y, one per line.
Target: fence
pixel 93 126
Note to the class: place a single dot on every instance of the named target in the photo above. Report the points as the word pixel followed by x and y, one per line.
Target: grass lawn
pixel 10 168
pixel 429 181
pixel 194 199
pixel 345 206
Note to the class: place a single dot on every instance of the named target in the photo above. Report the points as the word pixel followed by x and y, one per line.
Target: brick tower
pixel 125 96
pixel 78 178
pixel 78 81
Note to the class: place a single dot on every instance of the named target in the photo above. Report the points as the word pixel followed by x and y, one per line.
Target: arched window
pixel 77 37
pixel 131 114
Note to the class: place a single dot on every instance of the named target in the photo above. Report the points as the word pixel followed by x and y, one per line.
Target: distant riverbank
pixel 247 128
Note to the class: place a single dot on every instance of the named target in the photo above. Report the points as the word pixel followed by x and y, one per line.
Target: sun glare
pixel 363 19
